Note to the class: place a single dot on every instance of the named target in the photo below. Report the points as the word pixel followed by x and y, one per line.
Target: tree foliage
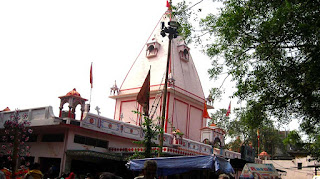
pixel 271 50
pixel 235 145
pixel 220 119
pixel 150 133
pixel 245 125
pixel 294 140
pixel 182 13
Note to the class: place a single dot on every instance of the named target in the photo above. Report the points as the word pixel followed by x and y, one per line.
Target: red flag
pixel 229 109
pixel 144 95
pixel 91 79
pixel 168 5
pixel 205 111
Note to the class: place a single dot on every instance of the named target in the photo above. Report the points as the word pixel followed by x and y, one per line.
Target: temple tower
pixel 185 97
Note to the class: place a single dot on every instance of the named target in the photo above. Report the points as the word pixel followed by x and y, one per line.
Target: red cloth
pixel 205 111
pixel 168 5
pixel 144 94
pixel 91 79
pixel 229 109
pixel 71 176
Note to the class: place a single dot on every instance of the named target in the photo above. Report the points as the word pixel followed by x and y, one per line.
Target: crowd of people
pixel 149 172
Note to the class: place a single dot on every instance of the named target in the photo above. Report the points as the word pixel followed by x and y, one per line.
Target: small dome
pixel 213 124
pixel 7 109
pixel 73 93
pixel 264 153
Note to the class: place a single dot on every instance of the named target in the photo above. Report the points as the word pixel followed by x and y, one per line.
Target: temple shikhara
pixel 104 144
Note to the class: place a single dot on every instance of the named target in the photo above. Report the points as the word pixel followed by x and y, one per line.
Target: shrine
pixel 100 143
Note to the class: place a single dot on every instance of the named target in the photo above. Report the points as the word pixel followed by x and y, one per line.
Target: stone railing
pixel 37 116
pixel 227 153
pixel 130 131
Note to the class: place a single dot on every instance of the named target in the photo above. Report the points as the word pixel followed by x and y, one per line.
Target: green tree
pixel 151 132
pixel 235 145
pixel 271 50
pixel 294 140
pixel 248 120
pixel 270 139
pixel 220 119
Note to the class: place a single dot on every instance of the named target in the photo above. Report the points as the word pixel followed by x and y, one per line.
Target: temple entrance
pixel 50 167
pixel 81 168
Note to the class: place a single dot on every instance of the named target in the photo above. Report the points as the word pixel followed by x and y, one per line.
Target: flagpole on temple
pixel 165 90
pixel 91 82
pixel 172 33
pixel 143 99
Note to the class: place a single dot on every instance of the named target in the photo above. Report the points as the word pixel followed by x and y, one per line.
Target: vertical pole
pixel 91 82
pixel 258 147
pixel 164 100
pixel 148 134
pixel 90 96
pixel 15 153
pixel 60 112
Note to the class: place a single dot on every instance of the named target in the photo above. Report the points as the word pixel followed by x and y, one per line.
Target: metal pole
pixel 164 100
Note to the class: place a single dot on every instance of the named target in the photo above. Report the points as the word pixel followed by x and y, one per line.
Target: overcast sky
pixel 46 48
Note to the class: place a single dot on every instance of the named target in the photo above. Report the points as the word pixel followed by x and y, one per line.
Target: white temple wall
pixel 46 149
pixel 114 141
pixel 179 116
pixel 195 122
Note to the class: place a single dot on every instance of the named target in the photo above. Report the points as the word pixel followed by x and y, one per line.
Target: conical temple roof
pixel 154 55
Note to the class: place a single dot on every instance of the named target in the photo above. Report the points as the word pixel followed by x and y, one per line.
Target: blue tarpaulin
pixel 175 165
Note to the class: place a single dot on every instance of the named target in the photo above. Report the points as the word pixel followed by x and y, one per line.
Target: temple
pixel 103 144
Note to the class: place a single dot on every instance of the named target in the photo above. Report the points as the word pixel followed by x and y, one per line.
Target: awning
pixel 223 165
pixel 175 165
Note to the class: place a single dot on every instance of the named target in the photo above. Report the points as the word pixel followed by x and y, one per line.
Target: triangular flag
pixel 91 77
pixel 229 109
pixel 168 5
pixel 144 95
pixel 205 111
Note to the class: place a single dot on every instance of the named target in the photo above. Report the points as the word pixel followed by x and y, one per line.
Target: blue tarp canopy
pixel 175 165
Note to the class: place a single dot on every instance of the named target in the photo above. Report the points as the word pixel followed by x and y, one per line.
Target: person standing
pixel 34 173
pixel 223 176
pixel 149 170
pixel 2 175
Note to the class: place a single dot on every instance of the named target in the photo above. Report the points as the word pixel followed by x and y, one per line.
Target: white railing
pixel 126 130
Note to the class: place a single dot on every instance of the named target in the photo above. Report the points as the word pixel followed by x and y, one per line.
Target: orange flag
pixel 144 95
pixel 205 111
pixel 91 78
pixel 229 109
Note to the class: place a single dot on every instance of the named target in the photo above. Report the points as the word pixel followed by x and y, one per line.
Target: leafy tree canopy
pixel 294 140
pixel 271 50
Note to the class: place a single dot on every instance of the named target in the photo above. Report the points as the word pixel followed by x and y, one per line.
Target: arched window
pixel 184 52
pixel 152 49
